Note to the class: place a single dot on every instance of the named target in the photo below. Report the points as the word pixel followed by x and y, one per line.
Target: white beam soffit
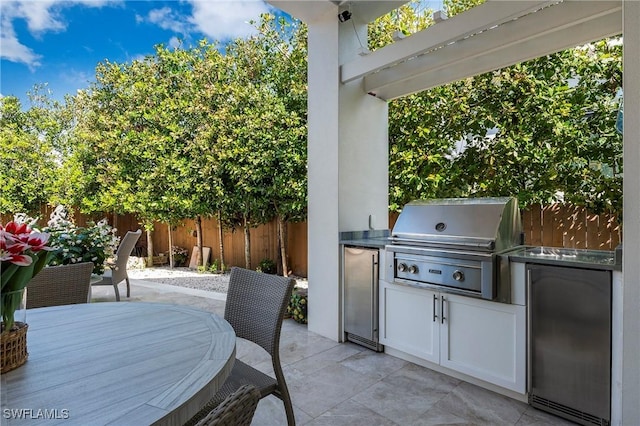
pixel 489 37
pixel 472 21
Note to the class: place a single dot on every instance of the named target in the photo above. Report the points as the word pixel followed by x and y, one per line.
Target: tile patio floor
pixel 336 384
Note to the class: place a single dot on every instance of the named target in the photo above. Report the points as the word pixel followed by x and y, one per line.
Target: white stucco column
pixel 323 177
pixel 347 163
pixel 631 211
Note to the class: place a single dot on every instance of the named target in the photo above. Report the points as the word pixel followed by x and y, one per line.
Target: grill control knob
pixel 458 275
pixel 402 267
pixel 413 269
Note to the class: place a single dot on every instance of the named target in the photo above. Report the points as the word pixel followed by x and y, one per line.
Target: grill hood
pixel 481 224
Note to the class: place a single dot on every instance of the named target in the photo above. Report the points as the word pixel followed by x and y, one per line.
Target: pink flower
pixel 17 228
pixel 11 250
pixel 38 241
pixel 17 239
pixel 19 247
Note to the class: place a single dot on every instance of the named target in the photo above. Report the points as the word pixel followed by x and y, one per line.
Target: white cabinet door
pixel 409 323
pixel 486 340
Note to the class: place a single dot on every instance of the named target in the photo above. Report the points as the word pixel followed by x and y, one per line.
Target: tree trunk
pixel 282 237
pixel 149 248
pixel 221 238
pixel 199 240
pixel 247 243
pixel 170 245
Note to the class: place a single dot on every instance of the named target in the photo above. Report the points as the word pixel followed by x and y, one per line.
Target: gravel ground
pixel 185 277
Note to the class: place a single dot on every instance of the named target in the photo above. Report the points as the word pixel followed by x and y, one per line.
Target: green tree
pixel 261 130
pixel 542 130
pixel 192 133
pixel 130 138
pixel 28 160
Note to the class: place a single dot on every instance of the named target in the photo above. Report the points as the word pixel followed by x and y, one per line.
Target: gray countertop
pixel 577 258
pixel 374 239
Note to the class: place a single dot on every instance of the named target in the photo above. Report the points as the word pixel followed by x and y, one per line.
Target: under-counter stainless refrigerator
pixel 570 342
pixel 361 296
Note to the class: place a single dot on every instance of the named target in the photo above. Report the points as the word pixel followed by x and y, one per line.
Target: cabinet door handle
pixel 374 294
pixel 442 318
pixel 435 317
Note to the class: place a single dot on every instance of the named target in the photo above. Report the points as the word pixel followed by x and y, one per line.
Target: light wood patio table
pixel 119 363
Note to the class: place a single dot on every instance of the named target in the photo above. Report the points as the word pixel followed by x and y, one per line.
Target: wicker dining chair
pixel 236 410
pixel 117 272
pixel 60 285
pixel 255 307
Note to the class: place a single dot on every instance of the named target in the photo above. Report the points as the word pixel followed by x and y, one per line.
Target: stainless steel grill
pixel 455 244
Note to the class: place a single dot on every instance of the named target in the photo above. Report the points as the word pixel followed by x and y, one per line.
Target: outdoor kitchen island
pixel 447 298
pixel 458 293
pixel 489 342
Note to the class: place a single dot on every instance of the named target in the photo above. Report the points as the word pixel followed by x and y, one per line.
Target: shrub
pixel 297 308
pixel 215 266
pixel 73 244
pixel 179 255
pixel 267 266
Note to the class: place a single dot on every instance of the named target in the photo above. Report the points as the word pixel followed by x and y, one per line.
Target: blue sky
pixel 61 42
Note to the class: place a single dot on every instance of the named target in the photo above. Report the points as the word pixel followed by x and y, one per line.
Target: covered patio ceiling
pixel 488 37
pixel 491 36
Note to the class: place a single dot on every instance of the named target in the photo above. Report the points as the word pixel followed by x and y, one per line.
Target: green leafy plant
pixel 297 308
pixel 215 266
pixel 72 244
pixel 179 255
pixel 267 266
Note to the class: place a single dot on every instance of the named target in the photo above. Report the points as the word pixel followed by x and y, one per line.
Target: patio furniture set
pixel 188 376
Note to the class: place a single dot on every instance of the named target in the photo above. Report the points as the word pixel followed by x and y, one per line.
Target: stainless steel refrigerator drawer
pixel 570 342
pixel 361 296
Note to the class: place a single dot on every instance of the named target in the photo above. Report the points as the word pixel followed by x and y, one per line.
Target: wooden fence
pixel 569 226
pixel 553 226
pixel 264 242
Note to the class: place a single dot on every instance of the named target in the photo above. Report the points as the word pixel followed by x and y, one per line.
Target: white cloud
pixel 217 19
pixel 139 57
pixel 13 50
pixel 41 16
pixel 222 20
pixel 168 19
pixel 175 43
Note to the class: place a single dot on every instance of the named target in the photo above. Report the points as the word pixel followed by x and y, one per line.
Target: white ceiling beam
pixel 555 28
pixel 493 59
pixel 470 22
